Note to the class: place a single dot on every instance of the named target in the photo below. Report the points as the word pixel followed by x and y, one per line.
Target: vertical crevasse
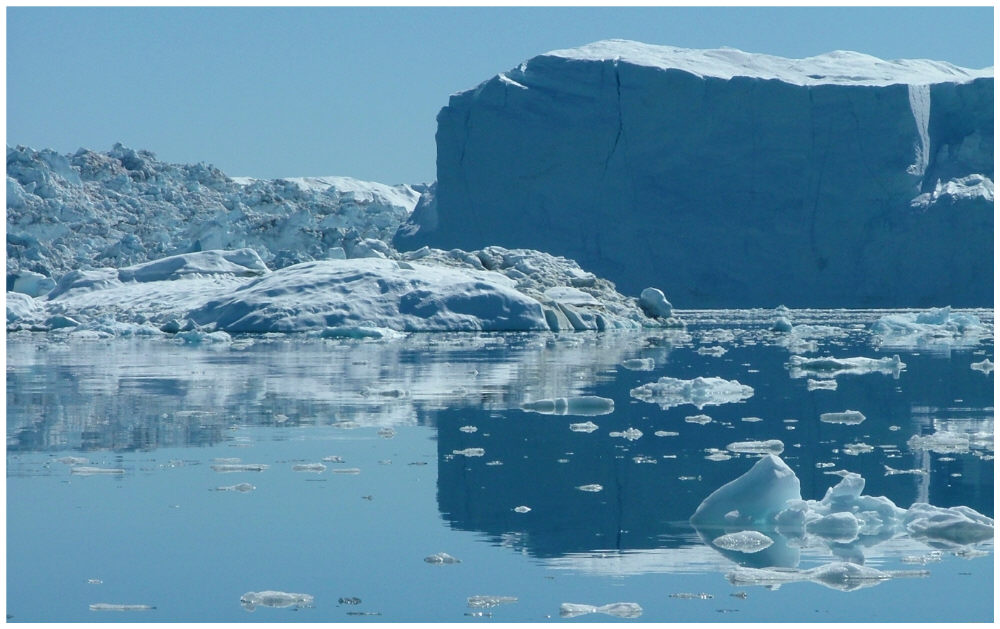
pixel 920 105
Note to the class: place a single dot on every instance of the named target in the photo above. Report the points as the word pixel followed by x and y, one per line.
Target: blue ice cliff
pixel 729 179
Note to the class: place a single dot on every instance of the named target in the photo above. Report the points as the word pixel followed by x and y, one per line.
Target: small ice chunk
pixel 522 509
pixel 386 433
pixel 751 420
pixel 666 433
pixel 846 417
pixel 594 488
pixel 889 471
pixel 770 446
pixel 654 303
pixel 441 559
pixel 698 419
pixel 120 607
pixel 828 367
pixel 240 487
pixel 95 471
pixel 226 468
pixel 481 601
pixel 743 541
pixel 692 595
pixel 272 598
pixel 347 470
pixel 985 366
pixel 717 455
pixel 579 405
pixel 639 364
pixel 333 459
pixel 821 385
pixel 316 468
pixel 630 434
pixel 469 452
pixel 619 610
pixel 468 429
pixel 855 449
pixel 715 350
pixel 584 427
pixel 943 441
pixel 72 460
pixel 781 324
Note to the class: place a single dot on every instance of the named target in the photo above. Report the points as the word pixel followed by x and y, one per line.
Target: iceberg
pixel 937 327
pixel 859 182
pixel 699 392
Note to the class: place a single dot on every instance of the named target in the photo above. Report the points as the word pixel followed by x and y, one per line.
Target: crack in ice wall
pixel 920 105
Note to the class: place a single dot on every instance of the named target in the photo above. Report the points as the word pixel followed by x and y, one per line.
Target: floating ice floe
pixel 347 470
pixel 240 487
pixel 468 429
pixel 594 488
pixel 522 509
pixel 838 575
pixel 639 364
pixel 120 607
pixel 666 433
pixel 767 499
pixel 272 598
pixel 821 385
pixel 770 446
pixel 846 417
pixel 316 468
pixel 442 558
pixel 855 449
pixel 985 366
pixel 743 541
pixel 481 601
pixel 715 350
pixel 95 471
pixel 700 392
pixel 953 442
pixel 584 427
pixel 937 327
pixel 829 367
pixel 579 405
pixel 226 468
pixel 698 419
pixel 72 460
pixel 629 434
pixel 470 452
pixel 619 610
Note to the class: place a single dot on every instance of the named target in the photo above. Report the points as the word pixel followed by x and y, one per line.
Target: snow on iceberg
pixel 930 328
pixel 699 392
pixel 373 292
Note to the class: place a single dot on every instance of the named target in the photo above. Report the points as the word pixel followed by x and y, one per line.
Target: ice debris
pixel 481 601
pixel 316 468
pixel 272 598
pixel 769 446
pixel 654 303
pixel 829 367
pixel 668 392
pixel 629 434
pixel 985 366
pixel 441 558
pixel 930 328
pixel 594 488
pixel 821 385
pixel 584 427
pixel 240 487
pixel 846 417
pixel 579 405
pixel 470 452
pixel 619 610
pixel 639 364
pixel 522 509
pixel 226 468
pixel 120 607
pixel 95 471
pixel 698 419
pixel 838 575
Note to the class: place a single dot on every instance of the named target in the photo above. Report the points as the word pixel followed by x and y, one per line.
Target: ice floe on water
pixel 768 446
pixel 743 541
pixel 273 598
pixel 821 385
pixel 441 558
pixel 845 417
pixel 121 607
pixel 481 601
pixel 238 487
pixel 639 364
pixel 934 328
pixel 668 392
pixel 985 366
pixel 584 427
pixel 629 434
pixel 766 500
pixel 618 610
pixel 830 367
pixel 579 405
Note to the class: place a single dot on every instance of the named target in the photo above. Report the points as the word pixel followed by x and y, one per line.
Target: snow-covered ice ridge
pixel 123 207
pixel 731 179
pixel 208 295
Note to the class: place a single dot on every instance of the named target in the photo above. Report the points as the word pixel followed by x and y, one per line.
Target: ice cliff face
pixel 726 178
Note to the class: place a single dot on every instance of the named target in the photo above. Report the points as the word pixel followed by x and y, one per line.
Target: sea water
pixel 283 479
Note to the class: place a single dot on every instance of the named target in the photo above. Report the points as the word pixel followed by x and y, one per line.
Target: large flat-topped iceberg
pixel 725 178
pixel 842 67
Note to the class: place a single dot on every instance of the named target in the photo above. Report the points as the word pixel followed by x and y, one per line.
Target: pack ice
pixel 766 502
pixel 840 180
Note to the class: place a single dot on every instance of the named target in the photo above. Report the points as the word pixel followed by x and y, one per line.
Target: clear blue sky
pixel 270 92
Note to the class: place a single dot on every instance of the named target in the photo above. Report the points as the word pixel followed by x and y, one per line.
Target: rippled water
pixel 358 460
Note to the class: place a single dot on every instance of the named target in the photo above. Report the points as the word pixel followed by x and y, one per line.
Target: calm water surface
pixel 390 422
